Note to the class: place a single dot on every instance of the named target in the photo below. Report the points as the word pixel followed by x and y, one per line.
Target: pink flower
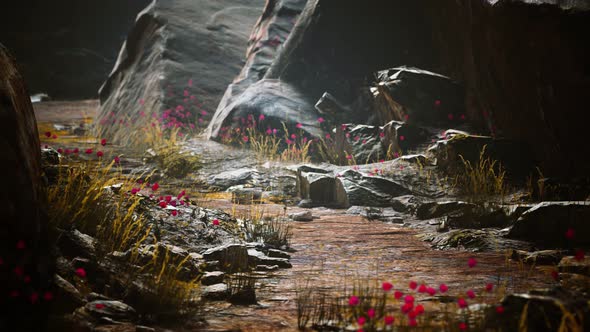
pixel 422 288
pixel 80 272
pixel 274 131
pixel 471 262
pixel 245 138
pixel 155 186
pixel 293 136
pixel 141 102
pixel 412 314
pixel 387 286
pixel 261 117
pixel 34 297
pixel 76 151
pixel 328 136
pixel 371 313
pixel 163 204
pixel 88 151
pixel 381 134
pixel 462 117
pixel 20 244
pixel 348 156
pixel 48 134
pixel 174 213
pixel 268 131
pixel 54 136
pixel 60 151
pixel 398 295
pixel 19 271
pixel 289 142
pixel 353 301
pixel 99 154
pixel 321 120
pixel 500 309
pixel 117 159
pixel 407 307
pixel 190 82
pixel 443 288
pixel 570 233
pixel 412 323
pixel 182 193
pixel 555 275
pixel 99 306
pixel 437 103
pixel 462 326
pixel 431 291
pixel 48 296
pixel 409 299
pixel 419 309
pixel 389 320
pixel 413 285
pixel 489 287
pixel 298 126
pixel 450 116
pixel 134 191
pixel 215 222
pixel 402 138
pixel 361 321
pixel 103 142
pixel 462 303
pixel 471 294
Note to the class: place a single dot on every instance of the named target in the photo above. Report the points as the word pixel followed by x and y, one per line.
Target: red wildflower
pixel 60 151
pixel 20 244
pixel 371 313
pixel 462 303
pixel 579 255
pixel 389 320
pixel 99 306
pixel 99 154
pixel 298 126
pixel 163 204
pixel 261 117
pixel 431 291
pixel 412 314
pixel 443 288
pixel 103 142
pixel 155 186
pixel 215 222
pixel 48 296
pixel 471 294
pixel 245 139
pixel 117 160
pixel 26 279
pixel 381 134
pixel 76 151
pixel 462 326
pixel 88 151
pixel 54 136
pixel 422 288
pixel 409 299
pixel 353 300
pixel 321 120
pixel 47 134
pixel 412 323
pixel 293 136
pixel 398 295
pixel 168 198
pixel 450 116
pixel 500 309
pixel 402 138
pixel 472 262
pixel 413 285
pixel 80 272
pixel 437 103
pixel 18 271
pixel 489 287
pixel 34 297
pixel 407 307
pixel 419 309
pixel 14 293
pixel 174 213
pixel 570 233
pixel 134 191
pixel 328 136
pixel 361 321
pixel 387 286
pixel 555 275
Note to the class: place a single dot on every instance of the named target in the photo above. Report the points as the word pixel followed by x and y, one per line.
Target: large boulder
pixel 67 58
pixel 24 244
pixel 547 223
pixel 180 55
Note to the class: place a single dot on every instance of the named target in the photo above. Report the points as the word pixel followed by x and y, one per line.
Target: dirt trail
pixel 337 247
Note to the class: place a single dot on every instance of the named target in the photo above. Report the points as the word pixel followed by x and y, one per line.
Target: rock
pixel 406 203
pixel 575 282
pixel 542 257
pixel 354 188
pixel 259 258
pixel 49 157
pixel 115 310
pixel 242 195
pixel 24 239
pixel 278 254
pixel 545 310
pixel 474 240
pixel 554 189
pixel 419 95
pixel 319 188
pixel 228 179
pixel 216 292
pixel 67 297
pixel 302 216
pixel 75 243
pixel 328 105
pixel 211 278
pixel 267 268
pixel 161 57
pixel 243 296
pixel 546 224
pixel 515 157
pixel 231 257
pixel 478 217
pixel 432 210
pixel 141 328
pixel 570 264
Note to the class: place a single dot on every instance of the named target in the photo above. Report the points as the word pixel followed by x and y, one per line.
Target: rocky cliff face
pixel 66 48
pixel 180 55
pixel 524 66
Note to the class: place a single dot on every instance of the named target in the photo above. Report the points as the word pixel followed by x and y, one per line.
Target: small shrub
pixel 483 180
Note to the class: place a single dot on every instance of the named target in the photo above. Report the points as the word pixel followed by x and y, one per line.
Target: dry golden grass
pixel 482 181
